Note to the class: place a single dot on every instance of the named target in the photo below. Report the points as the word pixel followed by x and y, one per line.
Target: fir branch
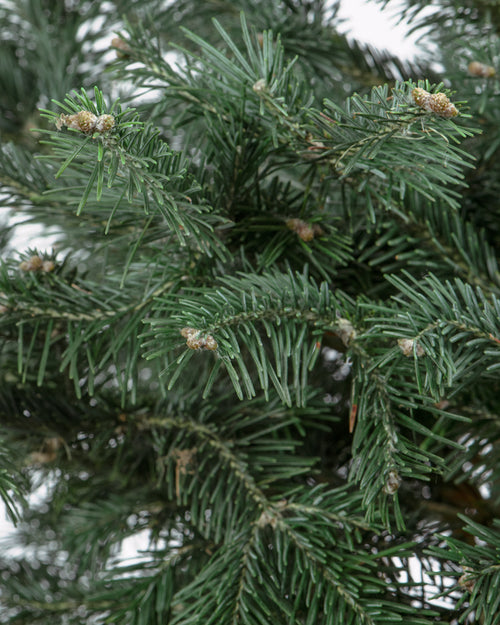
pixel 477 570
pixel 130 154
pixel 39 305
pixel 262 215
pixel 445 242
pixel 293 311
pixel 451 321
pixel 387 138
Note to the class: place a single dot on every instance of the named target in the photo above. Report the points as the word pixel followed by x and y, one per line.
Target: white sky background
pixel 367 22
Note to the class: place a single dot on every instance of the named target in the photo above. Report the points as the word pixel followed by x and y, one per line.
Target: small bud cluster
pixel 272 515
pixel 481 69
pixel 392 482
pixel 467 581
pixel 345 331
pixel 122 48
pixel 86 122
pixel 438 103
pixel 305 231
pixel 48 452
pixel 406 346
pixel 260 86
pixel 195 339
pixel 35 263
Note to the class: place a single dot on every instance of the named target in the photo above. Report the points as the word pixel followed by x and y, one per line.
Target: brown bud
pixel 467 580
pixel 34 263
pixel 260 86
pixel 84 121
pixel 345 331
pixel 196 340
pixel 122 48
pixel 406 346
pixel 48 266
pixel 104 123
pixel 438 103
pixel 392 482
pixel 420 97
pixel 305 231
pixel 481 69
pixel 48 452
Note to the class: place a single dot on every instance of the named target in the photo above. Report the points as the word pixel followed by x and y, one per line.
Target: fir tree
pixel 266 340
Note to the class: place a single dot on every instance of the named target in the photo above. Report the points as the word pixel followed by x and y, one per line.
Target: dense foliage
pixel 253 375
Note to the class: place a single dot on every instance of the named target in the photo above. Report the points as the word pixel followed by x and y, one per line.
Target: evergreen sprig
pixel 387 136
pixel 291 310
pixel 456 326
pixel 133 156
pixel 261 344
pixel 477 567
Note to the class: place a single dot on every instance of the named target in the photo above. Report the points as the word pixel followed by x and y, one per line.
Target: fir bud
pixel 421 97
pixel 481 69
pixel 437 103
pixel 104 123
pixel 86 122
pixel 406 346
pixel 48 266
pixel 345 331
pixel 467 581
pixel 36 263
pixel 392 482
pixel 195 339
pixel 305 231
pixel 272 515
pixel 121 46
pixel 260 86
pixel 441 105
pixel 48 452
pixel 33 263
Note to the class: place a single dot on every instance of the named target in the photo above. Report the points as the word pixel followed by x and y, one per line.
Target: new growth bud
pixel 437 103
pixel 86 122
pixel 35 263
pixel 392 482
pixel 305 231
pixel 196 340
pixel 121 46
pixel 480 69
pixel 260 86
pixel 407 345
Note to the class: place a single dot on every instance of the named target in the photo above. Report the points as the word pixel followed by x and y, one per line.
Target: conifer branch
pixel 265 342
pixel 285 305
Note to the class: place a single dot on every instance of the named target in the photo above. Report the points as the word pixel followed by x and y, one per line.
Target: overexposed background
pixel 367 22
